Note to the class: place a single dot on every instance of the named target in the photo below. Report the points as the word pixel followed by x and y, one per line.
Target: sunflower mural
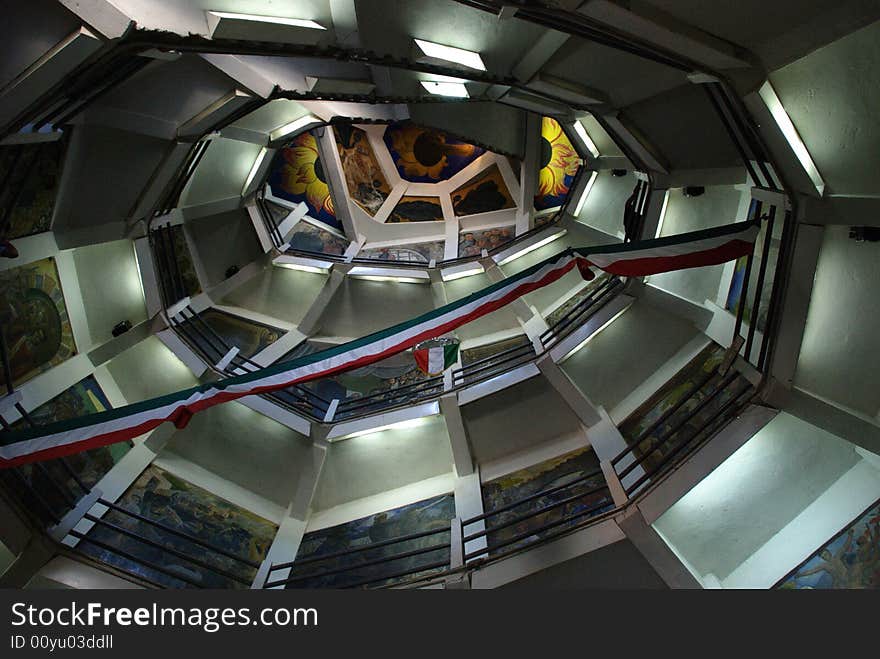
pixel 427 155
pixel 559 164
pixel 297 174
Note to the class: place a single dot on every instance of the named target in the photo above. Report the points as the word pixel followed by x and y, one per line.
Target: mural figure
pixel 310 238
pixel 366 183
pixel 427 515
pixel 418 252
pixel 471 243
pixel 297 175
pixel 248 335
pixel 427 155
pixel 559 164
pixel 163 497
pixel 34 320
pixel 484 193
pixel 32 173
pixel 851 559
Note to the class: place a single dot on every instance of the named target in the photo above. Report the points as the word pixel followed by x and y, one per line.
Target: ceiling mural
pixel 417 209
pixel 472 243
pixel 427 155
pixel 367 185
pixel 559 164
pixel 484 193
pixel 418 252
pixel 297 175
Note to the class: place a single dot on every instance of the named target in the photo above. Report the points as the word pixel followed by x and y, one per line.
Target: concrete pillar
pixel 529 173
pixel 461 450
pixel 656 551
pixel 310 322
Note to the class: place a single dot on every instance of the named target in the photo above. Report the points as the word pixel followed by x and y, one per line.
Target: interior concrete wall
pixel 245 448
pixel 371 464
pixel 278 292
pixel 224 240
pixel 272 115
pixel 28 30
pixel 102 178
pixel 627 352
pixel 833 105
pixel 603 208
pixel 501 320
pixel 839 359
pixel 516 419
pixel 617 566
pixel 110 284
pixel 221 173
pixel 756 492
pixel 718 206
pixel 361 306
pixel 149 369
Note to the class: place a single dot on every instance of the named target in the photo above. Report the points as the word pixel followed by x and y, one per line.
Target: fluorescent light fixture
pixel 594 334
pixel 466 58
pixel 662 215
pixel 292 127
pixel 532 248
pixel 771 100
pixel 400 425
pixel 585 138
pixel 254 169
pixel 390 274
pixel 304 268
pixel 454 89
pixel 399 280
pixel 587 188
pixel 277 20
pixel 461 274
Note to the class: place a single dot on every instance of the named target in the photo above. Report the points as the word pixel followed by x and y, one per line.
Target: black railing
pixel 600 295
pixel 385 565
pixel 493 365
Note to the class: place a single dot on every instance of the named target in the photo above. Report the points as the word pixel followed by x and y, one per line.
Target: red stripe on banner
pixel 184 412
pixel 422 357
pixel 656 264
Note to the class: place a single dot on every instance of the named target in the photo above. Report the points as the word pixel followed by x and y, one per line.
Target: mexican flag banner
pixel 435 356
pixel 689 250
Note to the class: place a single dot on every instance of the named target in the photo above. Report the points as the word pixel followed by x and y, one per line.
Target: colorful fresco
pixel 297 175
pixel 734 295
pixel 667 397
pixel 851 559
pixel 484 193
pixel 472 243
pixel 475 354
pixel 427 155
pixel 34 319
pixel 427 515
pixel 559 312
pixel 418 252
pixel 366 183
pixel 416 209
pixel 561 471
pixel 85 397
pixel 559 164
pixel 248 335
pixel 176 503
pixel 309 238
pixel 32 173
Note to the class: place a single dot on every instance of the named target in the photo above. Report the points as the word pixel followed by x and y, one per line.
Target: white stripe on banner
pixel 435 360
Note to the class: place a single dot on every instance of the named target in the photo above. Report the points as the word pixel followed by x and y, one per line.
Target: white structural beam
pixel 638 145
pixel 461 449
pixel 103 16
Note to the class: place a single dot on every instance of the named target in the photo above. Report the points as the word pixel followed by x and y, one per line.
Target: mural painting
pixel 668 396
pixel 366 183
pixel 851 559
pixel 417 252
pixel 163 497
pixel 734 295
pixel 475 354
pixel 32 173
pixel 416 209
pixel 297 175
pixel 427 155
pixel 85 397
pixel 561 471
pixel 484 193
pixel 34 320
pixel 426 515
pixel 559 164
pixel 248 335
pixel 184 263
pixel 309 238
pixel 471 243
